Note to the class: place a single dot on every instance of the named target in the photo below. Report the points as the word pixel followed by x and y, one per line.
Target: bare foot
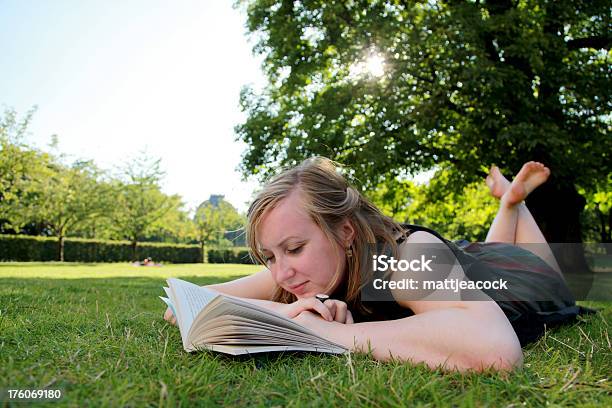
pixel 532 174
pixel 497 183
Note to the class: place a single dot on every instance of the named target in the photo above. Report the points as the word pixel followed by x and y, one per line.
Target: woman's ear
pixel 348 232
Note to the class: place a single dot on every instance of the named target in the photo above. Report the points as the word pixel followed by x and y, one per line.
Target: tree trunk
pixel 203 252
pixel 60 247
pixel 609 235
pixel 557 206
pixel 605 230
pixel 134 249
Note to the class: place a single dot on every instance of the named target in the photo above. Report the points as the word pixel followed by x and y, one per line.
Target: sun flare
pixel 373 65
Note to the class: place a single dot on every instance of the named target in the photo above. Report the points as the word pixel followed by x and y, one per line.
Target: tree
pixel 175 226
pixel 211 221
pixel 140 205
pixel 465 84
pixel 456 215
pixel 20 165
pixel 65 197
pixel 599 211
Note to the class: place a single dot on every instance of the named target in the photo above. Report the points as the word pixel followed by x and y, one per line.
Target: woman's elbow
pixel 504 357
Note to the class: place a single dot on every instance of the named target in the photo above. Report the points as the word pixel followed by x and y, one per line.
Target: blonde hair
pixel 329 200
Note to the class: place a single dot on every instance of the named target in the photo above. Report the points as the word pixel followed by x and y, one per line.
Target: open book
pixel 210 320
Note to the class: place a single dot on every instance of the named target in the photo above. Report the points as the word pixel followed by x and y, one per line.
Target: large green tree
pixel 212 219
pixel 464 84
pixel 20 166
pixel 140 205
pixel 64 198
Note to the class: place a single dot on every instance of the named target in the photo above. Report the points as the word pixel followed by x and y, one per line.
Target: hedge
pixel 232 255
pixel 29 248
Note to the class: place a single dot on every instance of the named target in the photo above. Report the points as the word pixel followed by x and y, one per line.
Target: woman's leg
pixel 514 223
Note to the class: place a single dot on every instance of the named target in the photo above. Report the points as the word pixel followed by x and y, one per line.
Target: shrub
pixel 28 248
pixel 229 255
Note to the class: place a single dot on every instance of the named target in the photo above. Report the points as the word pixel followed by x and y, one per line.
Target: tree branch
pixel 596 42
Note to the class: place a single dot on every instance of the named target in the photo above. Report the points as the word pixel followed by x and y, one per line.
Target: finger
pixel 168 314
pixel 349 317
pixel 321 309
pixel 340 311
pixel 311 304
pixel 330 304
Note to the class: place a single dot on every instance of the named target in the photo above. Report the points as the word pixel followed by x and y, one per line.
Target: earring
pixel 349 252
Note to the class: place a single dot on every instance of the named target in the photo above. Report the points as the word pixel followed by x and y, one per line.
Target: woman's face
pixel 299 255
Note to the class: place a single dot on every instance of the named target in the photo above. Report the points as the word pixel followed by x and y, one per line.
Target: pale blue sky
pixel 112 78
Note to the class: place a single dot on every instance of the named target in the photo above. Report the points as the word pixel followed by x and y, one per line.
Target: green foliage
pixel 65 197
pixel 213 219
pixel 598 211
pixel 465 85
pixel 393 198
pixel 466 214
pixel 229 255
pixel 20 166
pixel 174 226
pixel 27 248
pixel 139 204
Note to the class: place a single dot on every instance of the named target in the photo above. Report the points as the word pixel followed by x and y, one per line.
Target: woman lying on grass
pixel 312 230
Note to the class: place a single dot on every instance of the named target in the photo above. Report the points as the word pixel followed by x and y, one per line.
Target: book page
pixel 169 303
pixel 238 350
pixel 189 299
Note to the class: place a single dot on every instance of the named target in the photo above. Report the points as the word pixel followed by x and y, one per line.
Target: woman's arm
pixel 475 336
pixel 257 288
pixel 260 285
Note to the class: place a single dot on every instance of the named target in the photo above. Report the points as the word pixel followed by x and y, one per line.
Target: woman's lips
pixel 298 289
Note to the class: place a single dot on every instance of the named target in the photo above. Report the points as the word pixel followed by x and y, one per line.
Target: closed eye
pixel 295 250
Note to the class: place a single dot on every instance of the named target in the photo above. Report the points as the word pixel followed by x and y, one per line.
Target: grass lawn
pixel 96 332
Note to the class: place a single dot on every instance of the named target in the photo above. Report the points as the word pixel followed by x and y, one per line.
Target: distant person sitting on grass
pixel 148 261
pixel 313 231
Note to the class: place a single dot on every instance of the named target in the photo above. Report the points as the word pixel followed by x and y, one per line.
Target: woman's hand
pixel 331 310
pixel 170 317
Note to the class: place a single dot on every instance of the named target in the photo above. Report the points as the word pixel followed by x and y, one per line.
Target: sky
pixel 115 79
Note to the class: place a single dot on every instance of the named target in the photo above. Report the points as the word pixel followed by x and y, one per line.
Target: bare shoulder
pixel 410 246
pixel 422 242
pixel 422 237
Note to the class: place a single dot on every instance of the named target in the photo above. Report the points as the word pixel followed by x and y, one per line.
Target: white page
pixel 237 350
pixel 169 303
pixel 189 299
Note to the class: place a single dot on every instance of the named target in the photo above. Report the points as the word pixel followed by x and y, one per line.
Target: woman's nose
pixel 285 269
